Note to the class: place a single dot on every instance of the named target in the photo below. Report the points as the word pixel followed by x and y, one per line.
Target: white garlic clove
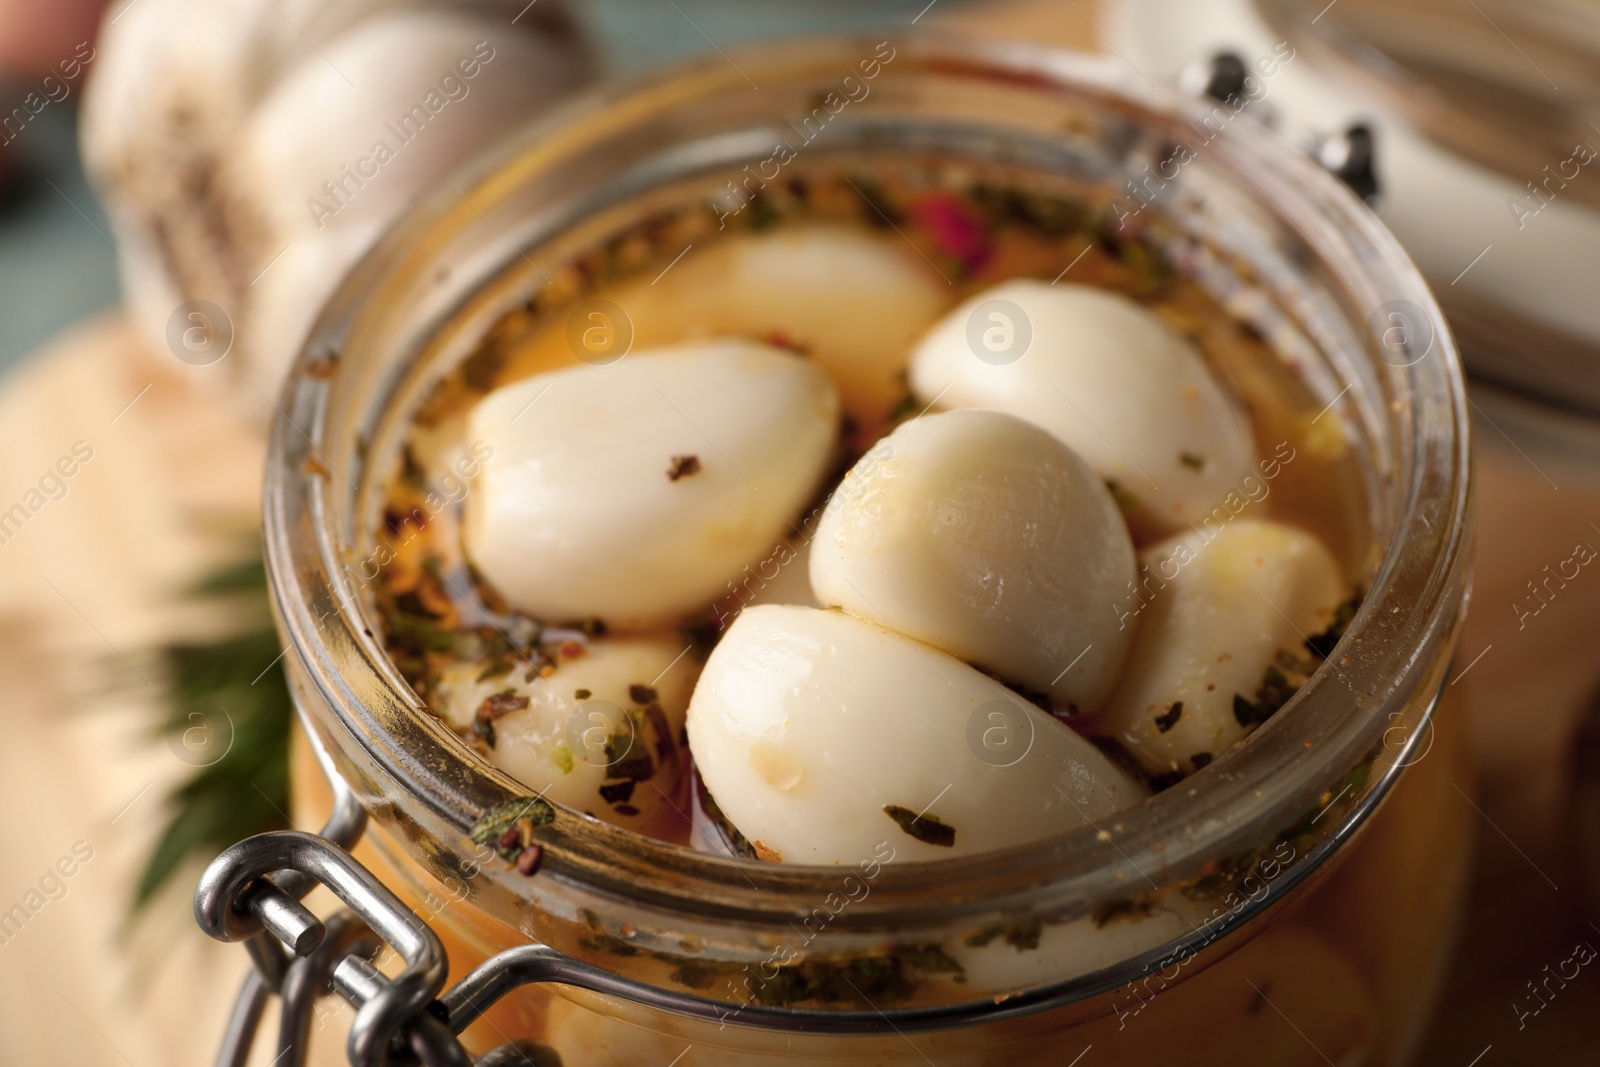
pixel 853 303
pixel 1214 611
pixel 599 735
pixel 325 190
pixel 982 535
pixel 633 492
pixel 1106 377
pixel 822 736
pixel 210 127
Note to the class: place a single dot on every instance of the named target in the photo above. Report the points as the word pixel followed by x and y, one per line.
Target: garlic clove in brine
pixel 1105 376
pixel 1223 615
pixel 597 730
pixel 984 536
pixel 852 303
pixel 824 738
pixel 634 492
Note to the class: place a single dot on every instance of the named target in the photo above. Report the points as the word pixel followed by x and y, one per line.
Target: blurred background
pixel 1480 115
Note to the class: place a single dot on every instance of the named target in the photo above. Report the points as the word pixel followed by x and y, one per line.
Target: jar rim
pixel 1405 627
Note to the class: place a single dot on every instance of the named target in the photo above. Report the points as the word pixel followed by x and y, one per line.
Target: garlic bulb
pixel 213 128
pixel 822 736
pixel 1106 377
pixel 1216 612
pixel 982 535
pixel 853 303
pixel 599 734
pixel 633 492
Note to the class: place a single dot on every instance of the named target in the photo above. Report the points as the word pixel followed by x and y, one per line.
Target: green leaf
pixel 245 791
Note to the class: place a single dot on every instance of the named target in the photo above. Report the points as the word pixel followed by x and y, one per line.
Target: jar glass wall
pixel 1305 877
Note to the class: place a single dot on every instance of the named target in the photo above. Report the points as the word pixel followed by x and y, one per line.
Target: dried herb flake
pixel 925 828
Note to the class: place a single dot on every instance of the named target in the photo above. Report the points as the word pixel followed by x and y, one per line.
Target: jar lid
pixel 1485 126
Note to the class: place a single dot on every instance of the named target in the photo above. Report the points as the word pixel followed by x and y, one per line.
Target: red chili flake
pixel 510 839
pixel 528 859
pixel 682 467
pixel 571 650
pixel 955 227
pixel 781 339
pixel 641 694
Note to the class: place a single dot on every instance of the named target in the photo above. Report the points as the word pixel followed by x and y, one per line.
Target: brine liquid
pixel 973 227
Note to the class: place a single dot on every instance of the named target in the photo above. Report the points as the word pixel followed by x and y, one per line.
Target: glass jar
pixel 1291 903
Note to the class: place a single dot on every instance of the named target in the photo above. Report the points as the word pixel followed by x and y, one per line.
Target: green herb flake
pixel 505 816
pixel 497 667
pixel 1275 689
pixel 1021 933
pixel 1170 717
pixel 930 959
pixel 1192 461
pixel 623 762
pixel 617 792
pixel 658 722
pixel 419 634
pixel 1133 909
pixel 582 694
pixel 1248 713
pixel 641 694
pixel 1323 644
pixel 562 755
pixel 925 828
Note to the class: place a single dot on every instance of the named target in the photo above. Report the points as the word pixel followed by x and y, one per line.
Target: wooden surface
pixel 87 582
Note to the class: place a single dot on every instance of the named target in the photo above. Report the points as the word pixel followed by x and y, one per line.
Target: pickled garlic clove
pixel 824 737
pixel 633 492
pixel 853 303
pixel 1107 378
pixel 984 536
pixel 1223 616
pixel 597 730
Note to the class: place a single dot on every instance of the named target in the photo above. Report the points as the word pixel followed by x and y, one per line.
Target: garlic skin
pixel 854 303
pixel 578 516
pixel 1110 380
pixel 984 536
pixel 209 124
pixel 556 743
pixel 806 725
pixel 1212 611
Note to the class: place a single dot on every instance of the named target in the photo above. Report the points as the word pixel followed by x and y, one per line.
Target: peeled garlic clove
pixel 1103 375
pixel 1215 608
pixel 600 734
pixel 854 304
pixel 984 536
pixel 632 492
pixel 822 737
